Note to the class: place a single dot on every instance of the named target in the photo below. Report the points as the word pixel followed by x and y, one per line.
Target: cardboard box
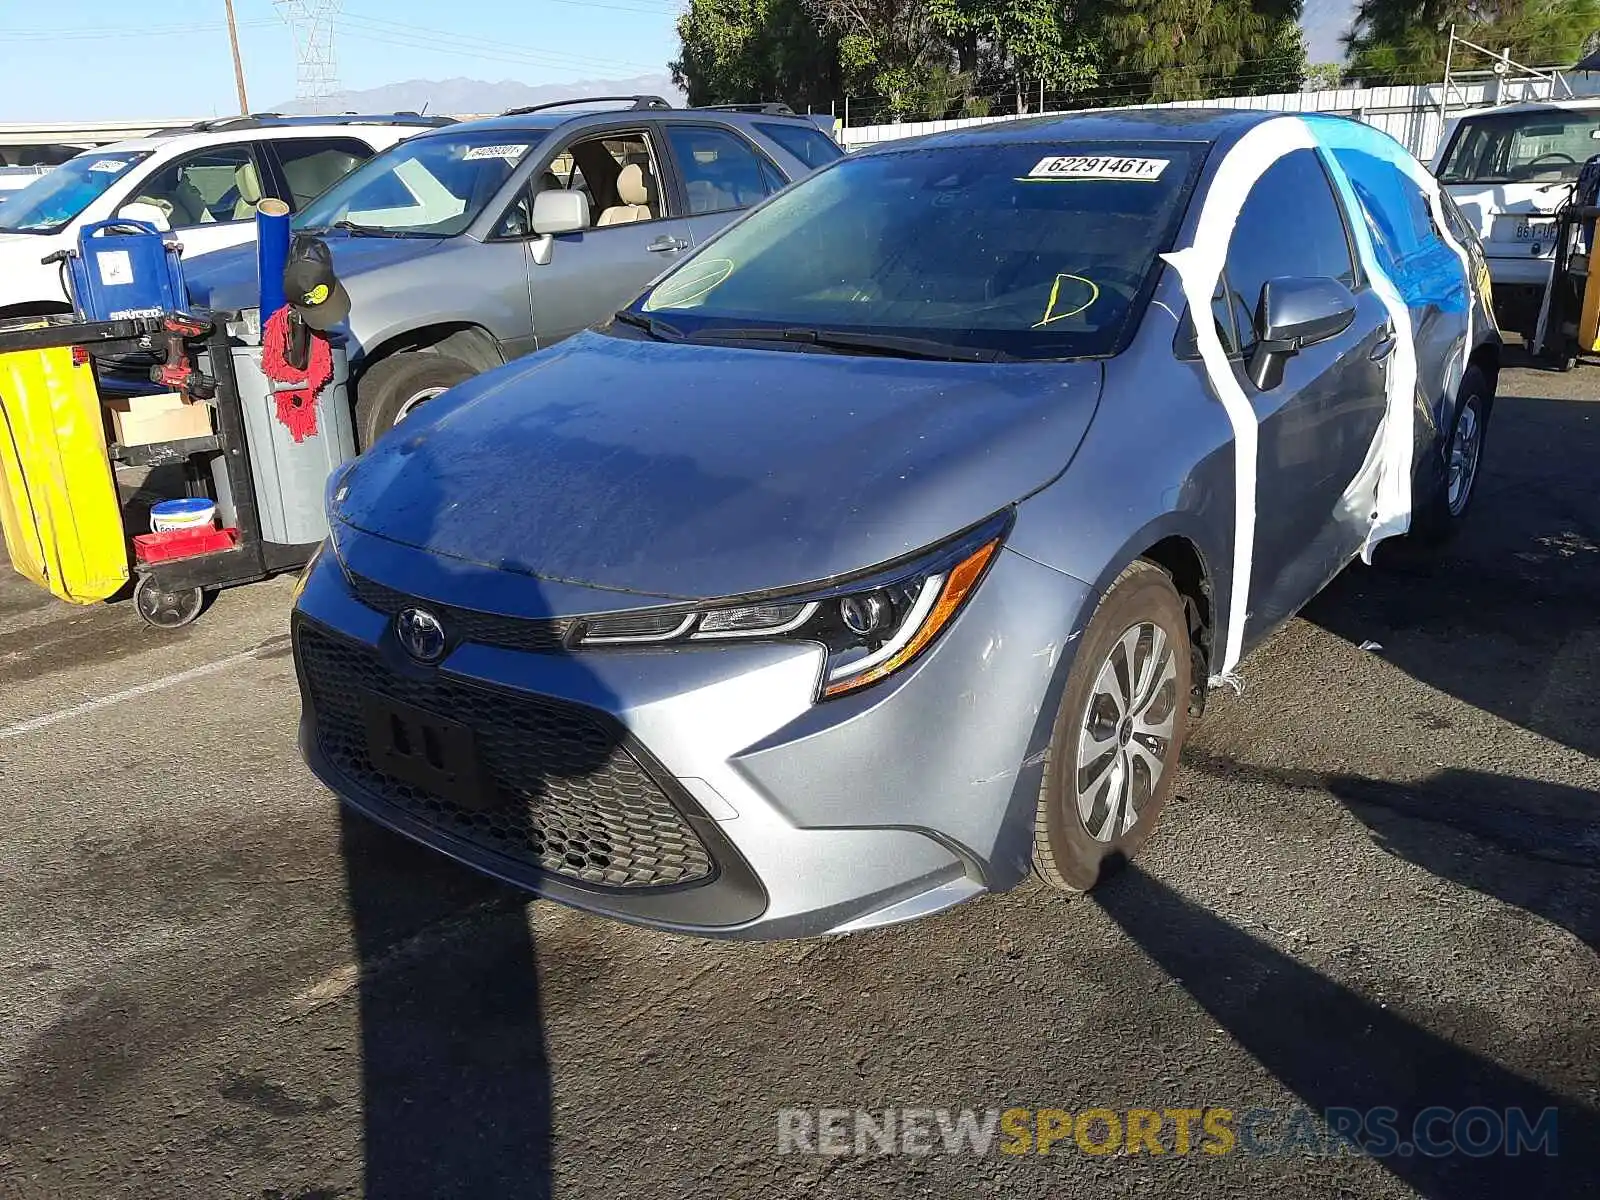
pixel 140 420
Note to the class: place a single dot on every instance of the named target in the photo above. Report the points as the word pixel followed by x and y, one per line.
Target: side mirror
pixel 560 212
pixel 1295 312
pixel 556 211
pixel 148 213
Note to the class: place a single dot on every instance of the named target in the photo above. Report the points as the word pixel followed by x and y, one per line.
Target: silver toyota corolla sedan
pixel 883 551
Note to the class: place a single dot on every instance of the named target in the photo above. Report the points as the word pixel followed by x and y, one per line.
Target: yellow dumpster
pixel 58 498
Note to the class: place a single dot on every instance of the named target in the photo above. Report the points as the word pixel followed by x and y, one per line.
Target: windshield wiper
pixel 656 328
pixel 893 345
pixel 353 229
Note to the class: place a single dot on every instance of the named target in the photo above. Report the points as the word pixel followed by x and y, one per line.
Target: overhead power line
pixel 118 33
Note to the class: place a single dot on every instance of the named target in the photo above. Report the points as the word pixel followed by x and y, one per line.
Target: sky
pixel 112 59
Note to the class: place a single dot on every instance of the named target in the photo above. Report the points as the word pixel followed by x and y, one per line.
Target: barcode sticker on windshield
pixel 510 153
pixel 109 165
pixel 1098 166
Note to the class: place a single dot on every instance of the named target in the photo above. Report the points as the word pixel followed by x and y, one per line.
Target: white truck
pixel 1508 169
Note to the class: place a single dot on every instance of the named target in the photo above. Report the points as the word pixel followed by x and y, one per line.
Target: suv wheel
pixel 1114 751
pixel 394 387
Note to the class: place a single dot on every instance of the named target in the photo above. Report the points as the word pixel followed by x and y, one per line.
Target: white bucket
pixel 194 513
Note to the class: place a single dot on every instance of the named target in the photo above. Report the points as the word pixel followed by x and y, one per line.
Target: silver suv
pixel 465 247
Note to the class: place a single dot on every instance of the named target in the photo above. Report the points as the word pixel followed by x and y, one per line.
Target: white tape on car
pixel 1396 440
pixel 1199 267
pixel 1383 484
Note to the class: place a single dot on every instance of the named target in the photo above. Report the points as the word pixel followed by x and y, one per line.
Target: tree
pixel 1281 69
pixel 747 51
pixel 1021 43
pixel 1405 41
pixel 1323 76
pixel 894 52
pixel 1196 49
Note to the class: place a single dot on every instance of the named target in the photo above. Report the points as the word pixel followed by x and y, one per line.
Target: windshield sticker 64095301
pixel 1099 166
pixel 509 153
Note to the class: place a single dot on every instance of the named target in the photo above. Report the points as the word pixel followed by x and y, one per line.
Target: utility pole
pixel 1444 88
pixel 238 63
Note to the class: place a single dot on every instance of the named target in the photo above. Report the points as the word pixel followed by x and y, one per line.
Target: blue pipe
pixel 272 253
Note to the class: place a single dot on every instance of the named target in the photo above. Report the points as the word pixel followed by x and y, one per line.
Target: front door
pixel 1316 461
pixel 634 233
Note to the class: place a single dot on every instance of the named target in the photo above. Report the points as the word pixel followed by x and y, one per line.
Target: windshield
pixel 54 200
pixel 1027 250
pixel 434 186
pixel 1531 147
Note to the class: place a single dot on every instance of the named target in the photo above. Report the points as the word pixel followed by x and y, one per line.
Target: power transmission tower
pixel 316 63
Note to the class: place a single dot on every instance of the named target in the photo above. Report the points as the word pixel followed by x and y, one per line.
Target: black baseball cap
pixel 310 285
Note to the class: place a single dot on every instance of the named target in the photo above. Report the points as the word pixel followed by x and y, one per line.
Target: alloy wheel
pixel 1127 731
pixel 1466 446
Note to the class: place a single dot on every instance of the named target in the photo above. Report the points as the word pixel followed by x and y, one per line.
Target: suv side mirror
pixel 557 211
pixel 1295 312
pixel 148 213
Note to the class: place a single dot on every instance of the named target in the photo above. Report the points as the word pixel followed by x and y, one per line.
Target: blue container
pixel 125 268
pixel 272 253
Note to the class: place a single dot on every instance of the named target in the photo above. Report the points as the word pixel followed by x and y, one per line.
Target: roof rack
pixel 266 120
pixel 770 108
pixel 638 103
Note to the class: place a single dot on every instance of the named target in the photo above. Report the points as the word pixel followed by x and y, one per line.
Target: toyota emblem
pixel 421 634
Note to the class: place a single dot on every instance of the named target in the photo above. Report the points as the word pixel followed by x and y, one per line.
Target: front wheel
pixel 393 388
pixel 1114 751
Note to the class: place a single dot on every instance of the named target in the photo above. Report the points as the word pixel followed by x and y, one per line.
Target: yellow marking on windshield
pixel 1050 313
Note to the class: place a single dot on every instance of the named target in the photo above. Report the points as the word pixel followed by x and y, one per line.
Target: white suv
pixel 202 182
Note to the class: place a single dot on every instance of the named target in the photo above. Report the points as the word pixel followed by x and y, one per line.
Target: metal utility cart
pixel 171 576
pixel 1571 310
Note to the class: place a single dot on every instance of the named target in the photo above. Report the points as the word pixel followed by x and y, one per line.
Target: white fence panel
pixel 1409 114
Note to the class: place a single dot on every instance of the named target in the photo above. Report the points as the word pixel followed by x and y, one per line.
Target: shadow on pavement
pixel 1336 1049
pixel 1505 618
pixel 455 1080
pixel 1533 829
pixel 1535 845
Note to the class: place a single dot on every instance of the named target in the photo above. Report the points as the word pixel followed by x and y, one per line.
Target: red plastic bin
pixel 182 543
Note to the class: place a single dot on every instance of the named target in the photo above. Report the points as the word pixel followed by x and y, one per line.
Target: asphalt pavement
pixel 1378 887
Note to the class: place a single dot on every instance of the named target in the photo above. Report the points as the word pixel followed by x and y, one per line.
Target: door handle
pixel 666 242
pixel 1382 351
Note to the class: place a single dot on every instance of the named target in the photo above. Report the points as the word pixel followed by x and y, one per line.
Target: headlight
pixel 871 626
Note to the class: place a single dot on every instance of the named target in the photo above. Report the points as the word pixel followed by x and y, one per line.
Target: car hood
pixel 692 472
pixel 225 280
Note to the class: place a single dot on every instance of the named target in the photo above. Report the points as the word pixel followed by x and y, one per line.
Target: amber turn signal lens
pixel 958 585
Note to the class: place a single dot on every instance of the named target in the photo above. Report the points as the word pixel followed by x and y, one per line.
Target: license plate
pixel 425 750
pixel 1526 229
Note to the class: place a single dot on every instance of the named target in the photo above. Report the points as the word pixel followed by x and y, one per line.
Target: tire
pixel 1439 505
pixel 162 609
pixel 392 386
pixel 1072 852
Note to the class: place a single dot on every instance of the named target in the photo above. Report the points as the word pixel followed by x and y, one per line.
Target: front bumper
pixel 882 806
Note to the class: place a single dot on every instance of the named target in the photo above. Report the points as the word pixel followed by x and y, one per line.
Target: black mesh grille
pixel 466 624
pixel 566 794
